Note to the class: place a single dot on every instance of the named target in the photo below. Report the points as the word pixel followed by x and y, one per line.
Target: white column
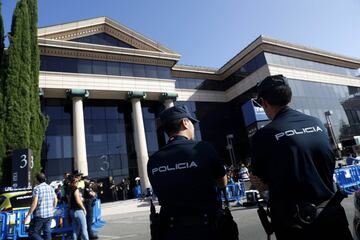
pixel 168 103
pixel 80 157
pixel 140 143
pixel 168 99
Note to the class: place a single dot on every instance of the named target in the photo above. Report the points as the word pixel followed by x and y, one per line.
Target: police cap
pixel 175 113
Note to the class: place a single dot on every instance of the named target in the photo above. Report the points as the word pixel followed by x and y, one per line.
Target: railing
pixel 347 178
pixel 12 223
pixel 235 191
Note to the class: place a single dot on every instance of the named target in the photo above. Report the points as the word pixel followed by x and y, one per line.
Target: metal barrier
pixel 347 178
pixel 137 191
pixel 12 223
pixel 3 226
pixel 97 220
pixel 235 191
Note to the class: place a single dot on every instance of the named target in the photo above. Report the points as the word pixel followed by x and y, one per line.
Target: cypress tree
pixel 17 85
pixel 2 67
pixel 38 122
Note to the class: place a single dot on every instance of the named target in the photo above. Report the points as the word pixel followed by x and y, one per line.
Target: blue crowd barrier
pixel 3 226
pixel 12 223
pixel 347 178
pixel 137 191
pixel 98 222
pixel 235 191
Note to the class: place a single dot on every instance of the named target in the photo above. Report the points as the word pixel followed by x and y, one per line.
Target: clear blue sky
pixel 210 32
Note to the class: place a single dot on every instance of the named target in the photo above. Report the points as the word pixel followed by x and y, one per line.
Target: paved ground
pixel 130 220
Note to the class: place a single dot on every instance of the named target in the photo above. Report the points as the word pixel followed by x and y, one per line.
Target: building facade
pixel 104 86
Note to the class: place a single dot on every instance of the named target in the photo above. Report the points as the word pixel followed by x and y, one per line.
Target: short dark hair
pixel 40 177
pixel 275 90
pixel 172 127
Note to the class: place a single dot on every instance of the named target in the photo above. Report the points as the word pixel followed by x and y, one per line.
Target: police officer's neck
pixel 180 135
pixel 273 111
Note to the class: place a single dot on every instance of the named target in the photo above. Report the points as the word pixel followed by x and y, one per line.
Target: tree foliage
pixel 24 125
pixel 2 66
pixel 38 122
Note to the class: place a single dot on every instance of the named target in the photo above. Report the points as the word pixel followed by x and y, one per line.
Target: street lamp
pixel 329 124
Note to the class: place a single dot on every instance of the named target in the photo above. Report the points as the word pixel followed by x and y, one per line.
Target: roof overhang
pixel 72 30
pixel 266 44
pixel 101 52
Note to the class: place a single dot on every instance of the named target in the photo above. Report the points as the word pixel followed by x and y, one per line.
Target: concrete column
pixel 80 156
pixel 140 139
pixel 79 142
pixel 168 99
pixel 168 103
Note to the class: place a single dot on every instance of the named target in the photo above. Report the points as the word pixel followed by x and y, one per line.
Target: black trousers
pixel 187 232
pixel 89 216
pixel 331 224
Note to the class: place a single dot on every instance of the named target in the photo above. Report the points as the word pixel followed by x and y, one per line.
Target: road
pixel 131 225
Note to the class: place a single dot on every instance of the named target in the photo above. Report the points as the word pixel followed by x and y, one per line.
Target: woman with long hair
pixel 77 211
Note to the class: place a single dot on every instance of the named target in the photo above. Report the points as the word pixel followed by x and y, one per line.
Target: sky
pixel 210 32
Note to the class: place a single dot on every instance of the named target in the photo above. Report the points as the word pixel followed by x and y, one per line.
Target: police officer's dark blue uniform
pixel 292 154
pixel 183 175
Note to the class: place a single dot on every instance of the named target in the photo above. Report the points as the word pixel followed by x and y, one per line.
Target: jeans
pixel 36 225
pixel 79 224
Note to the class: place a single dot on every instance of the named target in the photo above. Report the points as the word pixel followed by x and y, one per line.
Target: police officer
pixel 293 159
pixel 183 175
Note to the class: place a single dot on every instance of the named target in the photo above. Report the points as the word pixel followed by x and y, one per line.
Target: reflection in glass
pixel 277 59
pixel 57 151
pixel 73 65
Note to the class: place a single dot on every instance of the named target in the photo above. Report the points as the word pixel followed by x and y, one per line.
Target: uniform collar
pixel 177 138
pixel 281 112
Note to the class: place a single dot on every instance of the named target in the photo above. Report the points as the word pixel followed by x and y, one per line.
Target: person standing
pixel 124 187
pixel 293 159
pixel 244 173
pixel 183 175
pixel 77 211
pixel 89 202
pixel 42 207
pixel 113 189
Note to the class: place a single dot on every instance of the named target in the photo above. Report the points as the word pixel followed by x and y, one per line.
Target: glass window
pixel 50 63
pixel 103 39
pixel 112 112
pixel 99 67
pixel 54 112
pixel 54 146
pixel 67 147
pixel 151 71
pixel 69 65
pixel 163 72
pixel 260 60
pixel 98 112
pixel 113 68
pixel 84 66
pixel 139 70
pixel 126 69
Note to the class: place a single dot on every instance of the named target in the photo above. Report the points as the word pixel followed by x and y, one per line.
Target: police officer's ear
pixel 186 123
